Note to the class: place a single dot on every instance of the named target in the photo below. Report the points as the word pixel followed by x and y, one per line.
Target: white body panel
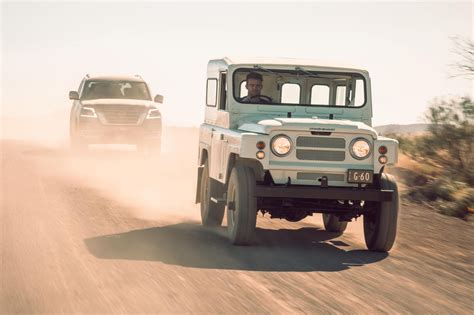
pixel 236 128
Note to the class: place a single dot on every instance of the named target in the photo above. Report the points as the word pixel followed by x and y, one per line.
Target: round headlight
pixel 281 145
pixel 360 148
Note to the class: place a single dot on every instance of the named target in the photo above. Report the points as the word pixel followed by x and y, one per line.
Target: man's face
pixel 254 87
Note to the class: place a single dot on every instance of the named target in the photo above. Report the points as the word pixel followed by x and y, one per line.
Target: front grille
pixel 317 142
pixel 320 149
pixel 320 155
pixel 121 114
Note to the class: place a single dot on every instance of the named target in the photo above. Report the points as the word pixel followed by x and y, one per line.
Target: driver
pixel 254 88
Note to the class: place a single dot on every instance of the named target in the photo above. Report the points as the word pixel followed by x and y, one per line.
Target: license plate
pixel 360 176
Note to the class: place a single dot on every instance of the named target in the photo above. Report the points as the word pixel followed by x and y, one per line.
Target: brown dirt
pixel 115 231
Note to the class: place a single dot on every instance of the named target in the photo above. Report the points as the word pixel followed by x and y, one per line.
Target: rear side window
pixel 211 94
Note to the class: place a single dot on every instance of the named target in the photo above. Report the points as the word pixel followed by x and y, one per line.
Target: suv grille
pixel 320 149
pixel 121 114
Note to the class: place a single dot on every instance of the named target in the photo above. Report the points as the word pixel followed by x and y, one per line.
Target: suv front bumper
pixel 94 132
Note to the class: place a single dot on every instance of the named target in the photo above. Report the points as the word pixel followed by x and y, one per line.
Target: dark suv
pixel 115 109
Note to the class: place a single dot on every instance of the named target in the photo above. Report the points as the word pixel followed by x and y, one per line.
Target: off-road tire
pixel 241 206
pixel 380 227
pixel 332 223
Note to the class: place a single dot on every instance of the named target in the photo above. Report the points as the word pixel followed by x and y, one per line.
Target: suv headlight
pixel 88 112
pixel 360 148
pixel 281 145
pixel 153 113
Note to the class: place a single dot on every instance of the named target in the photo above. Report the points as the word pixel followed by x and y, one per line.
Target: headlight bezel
pixel 351 148
pixel 272 145
pixel 153 110
pixel 91 109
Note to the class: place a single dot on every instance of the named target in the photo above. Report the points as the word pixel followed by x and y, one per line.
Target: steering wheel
pixel 261 99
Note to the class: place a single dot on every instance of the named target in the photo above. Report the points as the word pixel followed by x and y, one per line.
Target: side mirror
pixel 159 98
pixel 73 95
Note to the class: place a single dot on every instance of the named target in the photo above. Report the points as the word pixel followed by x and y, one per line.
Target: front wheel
pixel 241 206
pixel 380 226
pixel 332 223
pixel 77 144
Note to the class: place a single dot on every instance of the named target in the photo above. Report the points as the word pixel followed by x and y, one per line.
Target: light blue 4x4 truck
pixel 291 138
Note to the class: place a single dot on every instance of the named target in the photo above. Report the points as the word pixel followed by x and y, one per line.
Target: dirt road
pixel 114 231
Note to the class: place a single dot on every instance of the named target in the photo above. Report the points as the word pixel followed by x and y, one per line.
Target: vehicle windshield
pixel 299 87
pixel 95 89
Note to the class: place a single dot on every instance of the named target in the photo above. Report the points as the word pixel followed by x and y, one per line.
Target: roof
pixel 286 61
pixel 136 78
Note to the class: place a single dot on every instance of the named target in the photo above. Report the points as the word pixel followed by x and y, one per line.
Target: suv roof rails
pixel 138 76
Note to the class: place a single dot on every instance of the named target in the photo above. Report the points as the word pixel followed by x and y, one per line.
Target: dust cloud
pixel 160 188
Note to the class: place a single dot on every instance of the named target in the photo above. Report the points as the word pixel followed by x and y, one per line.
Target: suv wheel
pixel 332 223
pixel 77 144
pixel 380 227
pixel 241 206
pixel 212 213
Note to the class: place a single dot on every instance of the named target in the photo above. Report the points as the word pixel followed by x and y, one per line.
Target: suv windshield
pixel 95 89
pixel 299 87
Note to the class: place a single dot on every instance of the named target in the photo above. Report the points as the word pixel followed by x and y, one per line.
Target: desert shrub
pixel 442 188
pixel 450 141
pixel 462 204
pixel 406 144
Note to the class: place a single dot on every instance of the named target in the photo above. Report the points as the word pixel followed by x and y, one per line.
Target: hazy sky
pixel 48 47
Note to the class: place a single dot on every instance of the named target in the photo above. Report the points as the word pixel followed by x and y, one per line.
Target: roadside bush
pixel 406 144
pixel 446 157
pixel 450 142
pixel 461 206
pixel 442 188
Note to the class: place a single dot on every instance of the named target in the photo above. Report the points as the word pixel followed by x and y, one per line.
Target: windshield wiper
pixel 309 74
pixel 263 69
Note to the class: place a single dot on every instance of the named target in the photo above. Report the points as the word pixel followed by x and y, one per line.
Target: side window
pixel 320 94
pixel 341 95
pixel 243 89
pixel 223 91
pixel 290 93
pixel 211 92
pixel 359 93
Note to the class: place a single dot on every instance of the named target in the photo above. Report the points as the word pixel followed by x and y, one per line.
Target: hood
pixel 117 101
pixel 309 124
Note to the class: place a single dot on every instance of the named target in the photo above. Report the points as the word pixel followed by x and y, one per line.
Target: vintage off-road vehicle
pixel 302 145
pixel 115 109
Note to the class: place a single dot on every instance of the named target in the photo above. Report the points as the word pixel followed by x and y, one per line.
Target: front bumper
pixel 329 193
pixel 93 131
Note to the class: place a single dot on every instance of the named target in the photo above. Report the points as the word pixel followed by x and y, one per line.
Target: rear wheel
pixel 241 206
pixel 154 147
pixel 212 213
pixel 77 144
pixel 332 223
pixel 380 226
